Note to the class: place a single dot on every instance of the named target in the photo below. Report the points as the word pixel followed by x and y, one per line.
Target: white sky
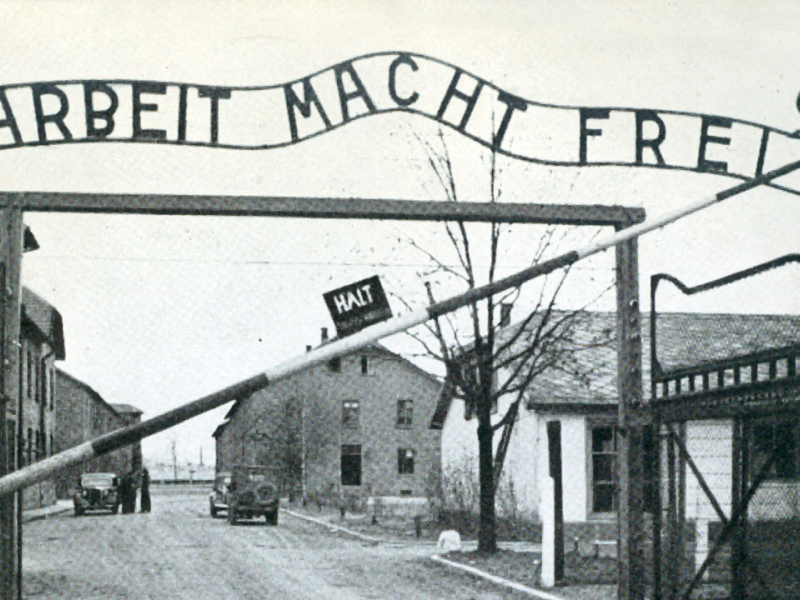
pixel 159 311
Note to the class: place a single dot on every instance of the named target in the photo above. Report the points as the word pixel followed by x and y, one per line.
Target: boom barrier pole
pixel 123 437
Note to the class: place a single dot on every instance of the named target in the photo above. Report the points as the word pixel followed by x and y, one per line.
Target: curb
pixel 495 579
pixel 30 517
pixel 332 527
pixel 435 557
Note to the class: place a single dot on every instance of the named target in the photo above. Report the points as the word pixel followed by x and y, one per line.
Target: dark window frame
pixel 351 465
pixel 598 454
pixel 351 414
pixel 405 461
pixel 405 413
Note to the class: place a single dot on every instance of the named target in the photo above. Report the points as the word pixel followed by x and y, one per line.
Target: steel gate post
pixel 738 582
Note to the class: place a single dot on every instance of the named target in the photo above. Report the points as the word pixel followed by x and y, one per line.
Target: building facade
pixel 33 438
pixel 584 412
pixel 84 415
pixel 359 425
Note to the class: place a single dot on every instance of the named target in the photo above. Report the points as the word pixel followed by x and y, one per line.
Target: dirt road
pixel 178 551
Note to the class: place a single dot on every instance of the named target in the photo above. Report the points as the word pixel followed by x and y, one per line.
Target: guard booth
pixel 726 402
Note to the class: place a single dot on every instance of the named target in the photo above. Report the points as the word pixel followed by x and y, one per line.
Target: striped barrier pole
pixel 109 442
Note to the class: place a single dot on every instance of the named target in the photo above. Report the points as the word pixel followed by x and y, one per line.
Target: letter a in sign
pixel 357 305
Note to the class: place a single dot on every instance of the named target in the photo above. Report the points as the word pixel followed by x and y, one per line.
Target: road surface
pixel 178 551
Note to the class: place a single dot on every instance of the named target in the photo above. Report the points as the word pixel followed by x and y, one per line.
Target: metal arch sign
pixel 91 111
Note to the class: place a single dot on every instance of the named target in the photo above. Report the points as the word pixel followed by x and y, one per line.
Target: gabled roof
pixel 87 389
pixel 371 348
pixel 683 339
pixel 45 319
pixel 127 409
pixel 220 428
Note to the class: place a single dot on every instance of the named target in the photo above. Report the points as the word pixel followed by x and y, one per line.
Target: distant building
pixel 32 436
pixel 166 472
pixel 83 415
pixel 356 425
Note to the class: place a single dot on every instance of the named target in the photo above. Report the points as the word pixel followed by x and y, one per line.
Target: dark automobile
pixel 218 500
pixel 251 494
pixel 97 491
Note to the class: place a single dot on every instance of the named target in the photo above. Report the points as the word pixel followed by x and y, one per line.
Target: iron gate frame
pixel 741 402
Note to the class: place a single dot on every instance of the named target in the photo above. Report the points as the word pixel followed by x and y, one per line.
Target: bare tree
pixel 487 359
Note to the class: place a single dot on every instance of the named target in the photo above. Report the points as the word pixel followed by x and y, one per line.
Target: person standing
pixel 145 497
pixel 129 495
pixel 125 492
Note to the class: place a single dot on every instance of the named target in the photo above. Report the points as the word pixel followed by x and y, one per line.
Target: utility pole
pixel 630 474
pixel 174 463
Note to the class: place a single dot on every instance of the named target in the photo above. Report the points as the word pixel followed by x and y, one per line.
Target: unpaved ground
pixel 179 551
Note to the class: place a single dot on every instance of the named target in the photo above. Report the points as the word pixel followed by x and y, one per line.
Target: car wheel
pixel 232 517
pixel 115 509
pixel 78 511
pixel 213 510
pixel 272 518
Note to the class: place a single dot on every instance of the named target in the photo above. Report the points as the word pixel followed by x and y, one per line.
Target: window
pixel 405 413
pixel 351 465
pixel 350 414
pixel 335 365
pixel 781 437
pixel 405 461
pixel 35 365
pixel 604 467
pixel 29 372
pixel 364 364
pixel 11 440
pixel 52 389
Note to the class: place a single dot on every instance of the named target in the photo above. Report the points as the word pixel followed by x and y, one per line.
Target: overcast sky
pixel 161 310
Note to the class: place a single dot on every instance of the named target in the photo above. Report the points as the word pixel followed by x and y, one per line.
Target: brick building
pixel 359 425
pixel 83 415
pixel 33 435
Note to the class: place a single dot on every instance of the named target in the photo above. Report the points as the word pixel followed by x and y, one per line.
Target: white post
pixel 548 515
pixel 701 545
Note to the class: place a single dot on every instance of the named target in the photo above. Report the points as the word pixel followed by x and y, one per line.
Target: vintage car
pixel 218 500
pixel 97 491
pixel 252 494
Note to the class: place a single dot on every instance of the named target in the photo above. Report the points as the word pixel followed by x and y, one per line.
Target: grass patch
pixel 525 567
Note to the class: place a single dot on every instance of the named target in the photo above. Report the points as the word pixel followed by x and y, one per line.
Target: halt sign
pixel 357 305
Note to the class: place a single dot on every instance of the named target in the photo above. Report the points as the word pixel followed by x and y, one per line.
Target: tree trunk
pixel 487 539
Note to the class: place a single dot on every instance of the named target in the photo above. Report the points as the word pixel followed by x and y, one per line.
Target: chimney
pixel 505 314
pixel 308 348
pixel 324 334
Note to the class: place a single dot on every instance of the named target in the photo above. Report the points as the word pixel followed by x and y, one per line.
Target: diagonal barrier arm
pixel 123 437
